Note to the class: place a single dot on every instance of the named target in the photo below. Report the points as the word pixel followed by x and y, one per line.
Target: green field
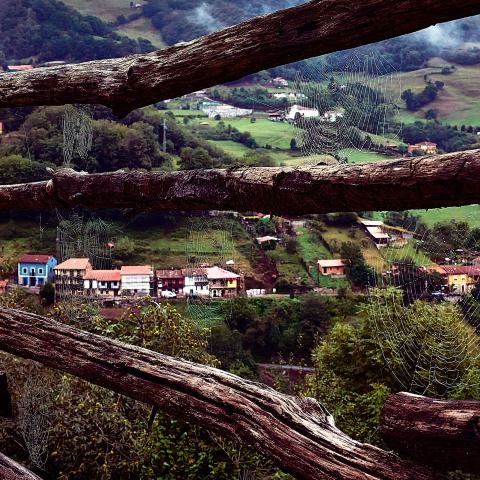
pixel 310 247
pixel 393 255
pixel 458 102
pixel 234 149
pixel 265 132
pixel 467 213
pixel 361 156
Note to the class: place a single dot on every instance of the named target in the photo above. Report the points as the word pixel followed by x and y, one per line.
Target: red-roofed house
pixel 69 275
pixel 35 270
pixel 222 283
pixel 331 267
pixel 461 278
pixel 102 283
pixel 171 280
pixel 18 68
pixel 137 280
pixel 427 148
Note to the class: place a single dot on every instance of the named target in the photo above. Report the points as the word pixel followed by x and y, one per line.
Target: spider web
pixel 429 349
pixel 208 242
pixel 353 109
pixel 77 132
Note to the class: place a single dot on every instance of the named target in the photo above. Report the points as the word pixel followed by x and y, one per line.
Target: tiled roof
pixel 103 275
pixel 136 270
pixel 334 262
pixel 462 269
pixel 34 258
pixel 74 264
pixel 169 274
pixel 214 273
pixel 191 272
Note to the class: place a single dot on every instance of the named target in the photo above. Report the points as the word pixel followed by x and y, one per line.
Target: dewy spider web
pixel 353 109
pixel 77 132
pixel 208 242
pixel 428 347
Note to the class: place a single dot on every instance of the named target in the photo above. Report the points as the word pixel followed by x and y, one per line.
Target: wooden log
pixel 5 398
pixel 296 433
pixel 422 182
pixel 11 470
pixel 313 28
pixel 443 434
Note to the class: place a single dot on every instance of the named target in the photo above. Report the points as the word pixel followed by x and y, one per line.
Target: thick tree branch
pixel 423 182
pixel 443 434
pixel 296 433
pixel 11 470
pixel 313 28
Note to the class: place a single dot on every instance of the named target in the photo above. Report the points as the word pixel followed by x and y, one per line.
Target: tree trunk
pixel 11 470
pixel 313 28
pixel 296 433
pixel 443 434
pixel 423 182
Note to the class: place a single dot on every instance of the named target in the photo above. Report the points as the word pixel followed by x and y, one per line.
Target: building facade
pixel 196 282
pixel 103 283
pixel 331 267
pixel 171 280
pixel 69 275
pixel 222 283
pixel 137 280
pixel 35 270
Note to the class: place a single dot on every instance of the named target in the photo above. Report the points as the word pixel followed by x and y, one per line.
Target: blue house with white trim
pixel 35 270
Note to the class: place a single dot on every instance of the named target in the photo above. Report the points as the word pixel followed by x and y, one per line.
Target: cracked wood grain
pixel 296 433
pixel 440 433
pixel 424 182
pixel 11 470
pixel 312 28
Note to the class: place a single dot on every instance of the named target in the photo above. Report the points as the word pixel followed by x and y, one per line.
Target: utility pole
pixel 164 136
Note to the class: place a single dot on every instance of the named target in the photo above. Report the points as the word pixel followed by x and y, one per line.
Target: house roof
pixel 19 67
pixel 377 233
pixel 169 273
pixel 34 258
pixel 371 223
pixel 103 275
pixel 74 264
pixel 214 273
pixel 194 272
pixel 473 270
pixel 335 262
pixel 267 238
pixel 136 270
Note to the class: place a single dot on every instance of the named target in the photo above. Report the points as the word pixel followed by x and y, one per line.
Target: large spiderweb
pixel 335 113
pixel 208 242
pixel 77 132
pixel 427 331
pixel 80 237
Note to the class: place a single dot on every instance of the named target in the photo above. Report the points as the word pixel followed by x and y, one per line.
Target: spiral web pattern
pixel 78 237
pixel 353 109
pixel 427 333
pixel 207 243
pixel 77 132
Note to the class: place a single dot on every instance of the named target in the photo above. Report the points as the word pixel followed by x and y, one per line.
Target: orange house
pixel 331 267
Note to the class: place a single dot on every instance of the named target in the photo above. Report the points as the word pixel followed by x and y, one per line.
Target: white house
pixel 102 282
pixel 196 282
pixel 136 280
pixel 304 112
pixel 332 115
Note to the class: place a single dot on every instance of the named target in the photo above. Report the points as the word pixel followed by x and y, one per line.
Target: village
pixel 223 280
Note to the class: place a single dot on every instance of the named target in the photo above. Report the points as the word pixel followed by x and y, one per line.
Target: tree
pixel 293 144
pixel 359 273
pixel 47 293
pixel 195 158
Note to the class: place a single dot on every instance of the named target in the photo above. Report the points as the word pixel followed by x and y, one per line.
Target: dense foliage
pixel 47 30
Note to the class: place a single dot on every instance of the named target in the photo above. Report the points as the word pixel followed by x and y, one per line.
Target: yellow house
pixel 461 278
pixel 221 282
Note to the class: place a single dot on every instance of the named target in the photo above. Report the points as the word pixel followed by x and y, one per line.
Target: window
pixel 40 270
pixel 24 270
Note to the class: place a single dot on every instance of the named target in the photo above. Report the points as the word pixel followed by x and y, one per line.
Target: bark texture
pixel 296 433
pixel 443 434
pixel 422 182
pixel 313 28
pixel 11 470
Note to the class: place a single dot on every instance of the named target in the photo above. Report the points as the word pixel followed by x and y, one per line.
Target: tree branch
pixel 313 28
pixel 11 470
pixel 422 182
pixel 296 433
pixel 443 434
